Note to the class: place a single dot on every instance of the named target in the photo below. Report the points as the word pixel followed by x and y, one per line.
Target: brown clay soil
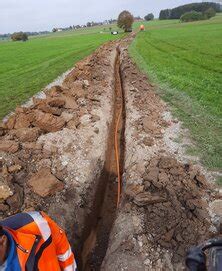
pixel 57 155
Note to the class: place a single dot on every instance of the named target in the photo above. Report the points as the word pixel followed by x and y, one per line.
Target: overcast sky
pixel 36 15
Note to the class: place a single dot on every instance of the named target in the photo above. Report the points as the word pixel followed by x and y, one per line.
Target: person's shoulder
pixel 17 221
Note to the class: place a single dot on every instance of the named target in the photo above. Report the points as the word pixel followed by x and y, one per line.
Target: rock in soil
pixel 5 191
pixel 44 183
pixel 48 122
pixel 9 146
pixel 27 134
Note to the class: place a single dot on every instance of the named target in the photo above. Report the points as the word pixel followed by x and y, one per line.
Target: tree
pixel 165 14
pixel 149 17
pixel 192 16
pixel 125 21
pixel 19 36
pixel 177 12
pixel 209 13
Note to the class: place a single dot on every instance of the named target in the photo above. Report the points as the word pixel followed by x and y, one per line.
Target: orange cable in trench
pixel 117 152
pixel 117 157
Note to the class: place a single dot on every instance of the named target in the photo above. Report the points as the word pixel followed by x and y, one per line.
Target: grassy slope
pixel 27 67
pixel 185 60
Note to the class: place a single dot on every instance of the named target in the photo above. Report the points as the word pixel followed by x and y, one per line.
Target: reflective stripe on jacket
pixel 41 244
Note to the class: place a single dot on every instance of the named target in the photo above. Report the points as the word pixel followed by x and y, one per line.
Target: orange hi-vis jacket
pixel 41 244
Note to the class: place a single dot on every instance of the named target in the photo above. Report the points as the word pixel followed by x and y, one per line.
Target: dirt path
pixel 58 155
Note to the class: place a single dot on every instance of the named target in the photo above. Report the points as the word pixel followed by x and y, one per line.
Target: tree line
pixel 177 12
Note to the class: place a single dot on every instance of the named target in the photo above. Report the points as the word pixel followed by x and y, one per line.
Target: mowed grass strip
pixel 185 61
pixel 27 67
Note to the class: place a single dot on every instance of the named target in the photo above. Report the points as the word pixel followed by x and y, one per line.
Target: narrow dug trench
pixel 99 224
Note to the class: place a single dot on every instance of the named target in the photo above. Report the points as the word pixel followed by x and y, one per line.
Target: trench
pixel 98 224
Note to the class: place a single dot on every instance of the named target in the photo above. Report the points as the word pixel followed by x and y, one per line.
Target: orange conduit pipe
pixel 117 155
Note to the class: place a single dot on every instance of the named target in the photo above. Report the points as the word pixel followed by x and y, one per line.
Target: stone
pixel 14 168
pixel 44 183
pixel 147 185
pixel 145 198
pixel 70 102
pixel 82 102
pixel 44 107
pixel 48 122
pixel 80 92
pixel 96 130
pixel 201 179
pixel 56 102
pixel 168 236
pixel 167 162
pixel 85 84
pixel 140 167
pixel 148 141
pixel 4 208
pixel 133 189
pixel 163 178
pixel 27 134
pixel 16 201
pixel 9 146
pixel 11 122
pixel 32 146
pixel 20 109
pixel 148 125
pixel 67 116
pixel 95 118
pixel 152 175
pixel 216 207
pixel 22 121
pixel 44 163
pixel 20 177
pixel 4 170
pixel 5 191
pixel 73 124
pixel 55 91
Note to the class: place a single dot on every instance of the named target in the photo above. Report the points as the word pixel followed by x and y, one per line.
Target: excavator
pixel 205 257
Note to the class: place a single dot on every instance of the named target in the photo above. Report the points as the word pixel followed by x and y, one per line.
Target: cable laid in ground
pixel 117 157
pixel 116 143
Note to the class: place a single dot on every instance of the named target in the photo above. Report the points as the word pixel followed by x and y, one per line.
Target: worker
pixel 142 27
pixel 33 241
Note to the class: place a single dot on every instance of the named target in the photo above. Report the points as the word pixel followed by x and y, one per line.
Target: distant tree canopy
pixel 177 12
pixel 125 21
pixel 19 36
pixel 209 13
pixel 192 16
pixel 149 17
pixel 197 16
pixel 165 14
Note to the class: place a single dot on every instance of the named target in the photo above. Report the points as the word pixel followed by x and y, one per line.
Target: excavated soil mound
pixel 176 205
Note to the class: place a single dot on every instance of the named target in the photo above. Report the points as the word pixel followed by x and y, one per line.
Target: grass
pixel 219 181
pixel 185 62
pixel 27 67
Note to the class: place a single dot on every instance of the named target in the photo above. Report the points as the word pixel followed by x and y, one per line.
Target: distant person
pixel 34 242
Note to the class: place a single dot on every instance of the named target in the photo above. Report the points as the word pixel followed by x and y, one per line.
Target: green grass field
pixel 185 62
pixel 27 67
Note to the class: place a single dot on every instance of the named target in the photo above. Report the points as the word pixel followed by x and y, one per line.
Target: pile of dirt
pixel 26 159
pixel 21 151
pixel 175 198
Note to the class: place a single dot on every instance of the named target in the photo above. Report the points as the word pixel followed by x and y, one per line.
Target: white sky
pixel 38 15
